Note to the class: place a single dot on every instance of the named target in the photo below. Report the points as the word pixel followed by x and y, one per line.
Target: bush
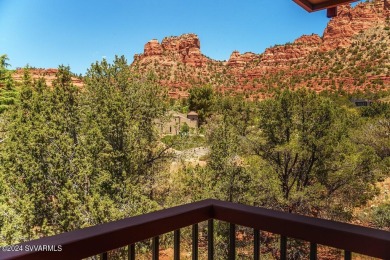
pixel 381 215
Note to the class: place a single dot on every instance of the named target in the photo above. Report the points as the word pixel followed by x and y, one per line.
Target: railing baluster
pixel 104 256
pixel 176 250
pixel 232 242
pixel 347 255
pixel 195 242
pixel 155 248
pixel 256 244
pixel 313 251
pixel 131 252
pixel 210 239
pixel 283 247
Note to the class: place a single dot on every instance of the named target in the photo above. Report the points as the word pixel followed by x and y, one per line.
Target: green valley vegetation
pixel 74 157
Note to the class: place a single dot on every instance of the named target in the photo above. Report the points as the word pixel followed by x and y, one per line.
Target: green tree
pixel 375 134
pixel 8 93
pixel 184 129
pixel 240 112
pixel 376 109
pixel 122 141
pixel 76 158
pixel 42 159
pixel 16 203
pixel 381 215
pixel 304 140
pixel 3 66
pixel 228 178
pixel 201 100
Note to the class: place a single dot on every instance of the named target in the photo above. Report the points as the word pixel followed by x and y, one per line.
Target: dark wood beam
pixel 310 7
pixel 305 5
pixel 331 3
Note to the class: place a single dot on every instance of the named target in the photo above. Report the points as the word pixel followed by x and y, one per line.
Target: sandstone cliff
pixel 357 38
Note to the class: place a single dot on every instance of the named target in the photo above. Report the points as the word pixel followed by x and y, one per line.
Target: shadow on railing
pixel 105 237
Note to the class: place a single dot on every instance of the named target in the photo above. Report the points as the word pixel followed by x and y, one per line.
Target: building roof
pixel 315 5
pixel 192 113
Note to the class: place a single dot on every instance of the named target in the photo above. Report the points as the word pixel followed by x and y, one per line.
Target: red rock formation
pixel 152 48
pixel 297 50
pixel 48 74
pixel 184 48
pixel 310 40
pixel 240 60
pixel 351 21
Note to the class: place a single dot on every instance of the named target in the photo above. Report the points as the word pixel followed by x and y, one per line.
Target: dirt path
pixel 190 156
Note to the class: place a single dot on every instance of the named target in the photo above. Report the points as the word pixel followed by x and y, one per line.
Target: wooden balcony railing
pixel 102 238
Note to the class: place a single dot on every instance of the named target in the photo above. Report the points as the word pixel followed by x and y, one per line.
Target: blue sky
pixel 47 33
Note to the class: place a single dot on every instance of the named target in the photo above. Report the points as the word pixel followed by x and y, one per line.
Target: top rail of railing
pixel 105 237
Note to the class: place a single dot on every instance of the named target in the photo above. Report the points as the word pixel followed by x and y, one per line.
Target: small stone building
pixel 175 122
pixel 193 116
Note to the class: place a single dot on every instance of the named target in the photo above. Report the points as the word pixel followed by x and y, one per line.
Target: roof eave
pixel 305 4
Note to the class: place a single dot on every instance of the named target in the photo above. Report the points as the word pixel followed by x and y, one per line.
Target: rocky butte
pixel 357 38
pixel 184 49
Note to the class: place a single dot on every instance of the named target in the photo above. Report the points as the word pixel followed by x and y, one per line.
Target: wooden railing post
pixel 283 247
pixel 313 251
pixel 155 248
pixel 256 244
pixel 210 239
pixel 176 246
pixel 232 241
pixel 131 252
pixel 195 242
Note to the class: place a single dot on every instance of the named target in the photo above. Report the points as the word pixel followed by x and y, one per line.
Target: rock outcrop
pixel 240 60
pixel 48 74
pixel 351 21
pixel 292 52
pixel 184 48
pixel 153 48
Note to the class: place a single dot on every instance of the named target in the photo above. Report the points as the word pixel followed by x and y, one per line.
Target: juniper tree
pixel 3 66
pixel 201 100
pixel 121 140
pixel 42 166
pixel 8 93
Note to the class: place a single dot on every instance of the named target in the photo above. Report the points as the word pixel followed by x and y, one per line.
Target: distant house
pixel 193 116
pixel 361 102
pixel 176 121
